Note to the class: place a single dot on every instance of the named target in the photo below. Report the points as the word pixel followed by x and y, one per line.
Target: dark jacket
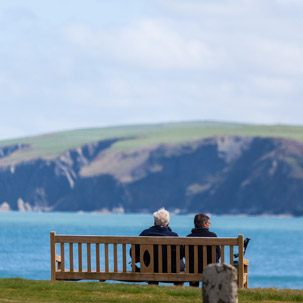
pixel 160 231
pixel 156 230
pixel 202 232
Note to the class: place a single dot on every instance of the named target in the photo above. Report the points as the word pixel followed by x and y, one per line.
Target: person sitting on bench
pixel 161 229
pixel 202 223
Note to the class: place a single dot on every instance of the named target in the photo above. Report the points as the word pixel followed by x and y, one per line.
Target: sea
pixel 274 251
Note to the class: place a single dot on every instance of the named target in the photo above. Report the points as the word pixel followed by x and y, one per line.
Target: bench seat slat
pixel 128 276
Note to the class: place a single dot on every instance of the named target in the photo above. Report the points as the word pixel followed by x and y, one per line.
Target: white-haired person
pixel 161 229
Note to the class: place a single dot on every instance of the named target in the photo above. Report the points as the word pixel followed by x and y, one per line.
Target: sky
pixel 70 64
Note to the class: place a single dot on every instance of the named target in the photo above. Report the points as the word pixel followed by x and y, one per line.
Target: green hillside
pixel 136 136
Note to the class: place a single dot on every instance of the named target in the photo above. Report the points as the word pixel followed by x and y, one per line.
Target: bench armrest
pixel 245 261
pixel 58 259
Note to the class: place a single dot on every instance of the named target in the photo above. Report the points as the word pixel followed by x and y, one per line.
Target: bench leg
pixel 246 273
pixel 179 283
pixel 194 284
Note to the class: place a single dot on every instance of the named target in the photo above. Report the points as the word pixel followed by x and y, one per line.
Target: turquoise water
pixel 274 252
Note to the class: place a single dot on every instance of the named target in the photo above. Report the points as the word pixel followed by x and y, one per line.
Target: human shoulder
pixel 168 231
pixel 212 234
pixel 195 232
pixel 146 232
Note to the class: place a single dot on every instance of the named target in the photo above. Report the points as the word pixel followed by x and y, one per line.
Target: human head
pixel 201 220
pixel 161 217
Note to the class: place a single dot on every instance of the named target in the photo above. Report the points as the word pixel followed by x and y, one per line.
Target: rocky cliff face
pixel 219 175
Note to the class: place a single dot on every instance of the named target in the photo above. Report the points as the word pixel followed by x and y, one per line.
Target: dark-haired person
pixel 202 223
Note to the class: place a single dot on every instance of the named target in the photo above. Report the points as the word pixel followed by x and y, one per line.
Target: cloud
pixel 151 44
pixel 290 3
pixel 245 9
pixel 272 56
pixel 229 8
pixel 251 37
pixel 255 36
pixel 18 16
pixel 273 86
pixel 233 60
pixel 10 88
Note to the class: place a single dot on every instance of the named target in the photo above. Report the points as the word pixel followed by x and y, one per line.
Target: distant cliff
pixel 221 175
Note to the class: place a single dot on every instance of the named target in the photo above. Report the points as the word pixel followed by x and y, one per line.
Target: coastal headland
pixel 219 168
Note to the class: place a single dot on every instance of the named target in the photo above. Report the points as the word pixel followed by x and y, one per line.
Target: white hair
pixel 161 217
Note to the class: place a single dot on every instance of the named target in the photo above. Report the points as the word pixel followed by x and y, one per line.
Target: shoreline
pixel 173 213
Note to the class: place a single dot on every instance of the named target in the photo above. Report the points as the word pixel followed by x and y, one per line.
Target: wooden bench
pixel 108 258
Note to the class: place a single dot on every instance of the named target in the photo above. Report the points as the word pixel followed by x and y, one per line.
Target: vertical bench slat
pixel 71 257
pixel 106 257
pixel 62 257
pixel 213 253
pixel 80 257
pixel 141 257
pixel 133 254
pixel 124 256
pixel 53 255
pixel 231 255
pixel 160 258
pixel 204 256
pixel 178 258
pixel 89 264
pixel 152 258
pixel 115 258
pixel 222 254
pixel 196 258
pixel 169 258
pixel 187 258
pixel 97 257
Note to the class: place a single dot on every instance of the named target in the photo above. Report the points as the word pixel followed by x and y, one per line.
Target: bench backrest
pixel 108 257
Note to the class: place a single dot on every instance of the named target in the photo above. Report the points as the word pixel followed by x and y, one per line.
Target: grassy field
pixel 137 136
pixel 19 290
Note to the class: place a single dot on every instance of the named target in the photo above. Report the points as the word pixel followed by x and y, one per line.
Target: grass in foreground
pixel 19 290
